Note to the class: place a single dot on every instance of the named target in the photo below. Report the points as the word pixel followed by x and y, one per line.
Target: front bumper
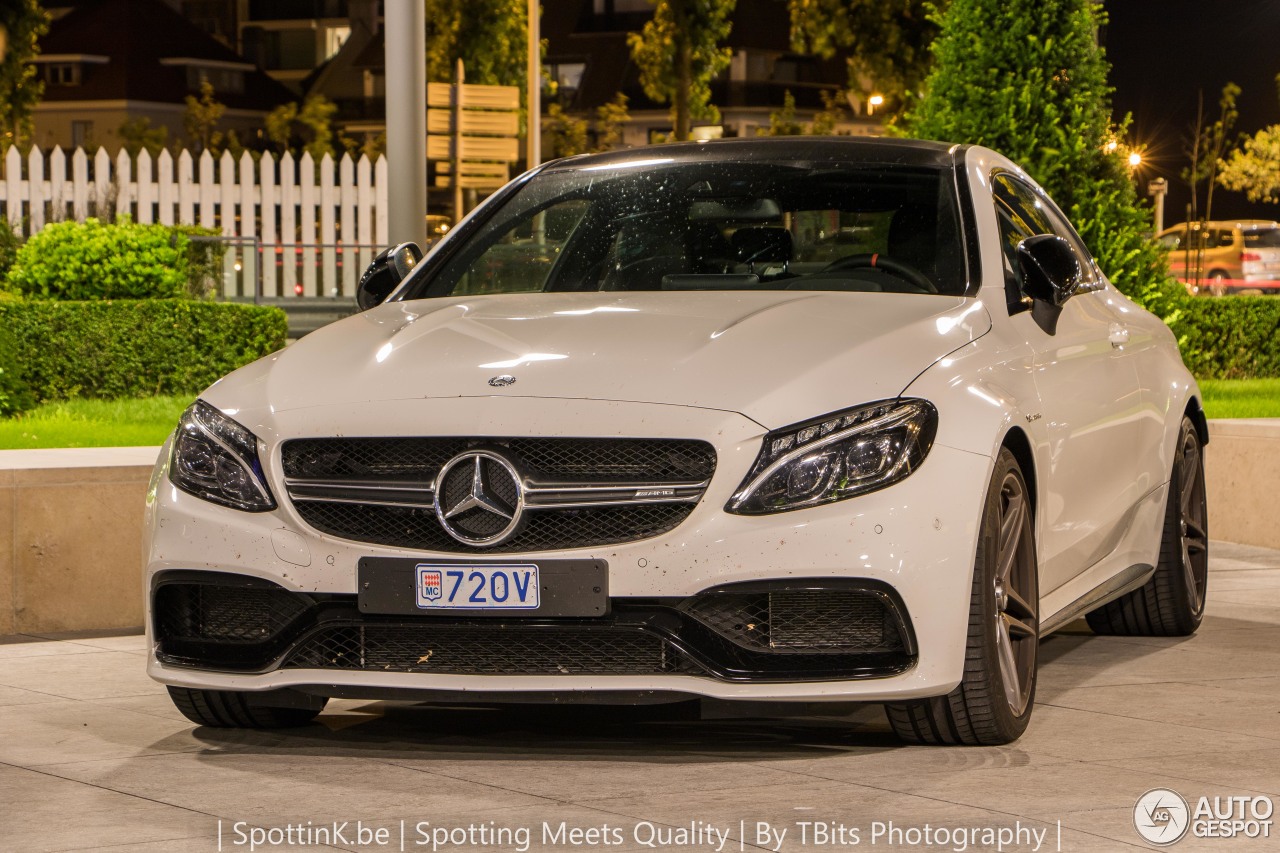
pixel 914 540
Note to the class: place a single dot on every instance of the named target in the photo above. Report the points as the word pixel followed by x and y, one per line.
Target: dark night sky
pixel 1164 52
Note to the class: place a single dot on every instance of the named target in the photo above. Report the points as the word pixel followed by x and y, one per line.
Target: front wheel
pixel 993 703
pixel 1171 604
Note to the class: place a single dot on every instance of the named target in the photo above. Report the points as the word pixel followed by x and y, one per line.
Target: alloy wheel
pixel 1192 518
pixel 1016 596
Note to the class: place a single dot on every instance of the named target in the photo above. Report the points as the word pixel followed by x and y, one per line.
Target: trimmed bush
pixel 97 260
pixel 136 348
pixel 10 242
pixel 1235 337
pixel 15 396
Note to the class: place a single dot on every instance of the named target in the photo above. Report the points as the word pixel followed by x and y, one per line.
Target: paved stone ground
pixel 93 756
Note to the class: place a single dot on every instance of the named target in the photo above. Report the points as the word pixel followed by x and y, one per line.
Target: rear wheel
pixel 1171 604
pixel 232 709
pixel 993 703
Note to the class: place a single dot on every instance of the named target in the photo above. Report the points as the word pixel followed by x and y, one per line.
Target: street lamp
pixel 1135 159
pixel 873 102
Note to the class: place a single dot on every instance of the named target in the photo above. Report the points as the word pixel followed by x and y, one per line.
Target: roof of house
pixel 147 46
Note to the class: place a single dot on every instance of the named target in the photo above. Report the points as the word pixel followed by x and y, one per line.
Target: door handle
pixel 1119 335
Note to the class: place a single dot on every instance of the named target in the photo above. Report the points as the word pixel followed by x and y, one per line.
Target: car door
pixel 1090 400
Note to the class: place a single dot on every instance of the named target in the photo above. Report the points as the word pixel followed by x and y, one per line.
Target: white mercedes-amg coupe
pixel 789 420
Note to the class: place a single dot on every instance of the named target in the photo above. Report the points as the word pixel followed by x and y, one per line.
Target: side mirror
pixel 1050 275
pixel 389 268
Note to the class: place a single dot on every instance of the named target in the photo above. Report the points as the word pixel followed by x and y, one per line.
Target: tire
pixel 994 700
pixel 1171 604
pixel 228 709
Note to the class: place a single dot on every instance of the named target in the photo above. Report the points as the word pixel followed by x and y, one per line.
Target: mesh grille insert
pixel 543 531
pixel 482 650
pixel 596 460
pixel 801 621
pixel 225 614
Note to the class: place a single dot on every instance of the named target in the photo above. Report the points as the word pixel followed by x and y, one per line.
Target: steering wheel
pixel 884 264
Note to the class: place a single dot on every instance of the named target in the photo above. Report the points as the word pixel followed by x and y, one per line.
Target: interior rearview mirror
pixel 389 268
pixel 1050 275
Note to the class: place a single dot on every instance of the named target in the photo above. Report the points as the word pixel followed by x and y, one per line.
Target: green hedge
pixel 1234 337
pixel 136 348
pixel 99 260
pixel 15 395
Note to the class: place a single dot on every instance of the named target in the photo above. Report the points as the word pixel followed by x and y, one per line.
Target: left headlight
pixel 837 456
pixel 216 459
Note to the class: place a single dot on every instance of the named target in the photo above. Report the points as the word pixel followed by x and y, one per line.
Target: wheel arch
pixel 1019 445
pixel 1195 410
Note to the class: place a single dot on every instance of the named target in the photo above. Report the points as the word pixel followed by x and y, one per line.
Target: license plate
pixel 454 587
pixel 435 586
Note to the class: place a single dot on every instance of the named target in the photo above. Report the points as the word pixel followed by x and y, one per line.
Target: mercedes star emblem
pixel 478 498
pixel 502 381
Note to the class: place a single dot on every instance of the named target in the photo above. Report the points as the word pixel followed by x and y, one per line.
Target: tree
pixel 279 126
pixel 678 53
pixel 24 22
pixel 312 122
pixel 1254 169
pixel 782 121
pixel 489 36
pixel 886 41
pixel 201 119
pixel 831 114
pixel 316 116
pixel 1028 79
pixel 566 134
pixel 1208 145
pixel 611 121
pixel 137 134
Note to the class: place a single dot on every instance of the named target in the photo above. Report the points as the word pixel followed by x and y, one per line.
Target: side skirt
pixel 1118 585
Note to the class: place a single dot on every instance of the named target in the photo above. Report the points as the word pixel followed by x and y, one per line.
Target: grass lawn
pixel 1241 398
pixel 94 423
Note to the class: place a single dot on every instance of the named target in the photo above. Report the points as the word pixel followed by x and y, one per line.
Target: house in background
pixel 105 62
pixel 589 61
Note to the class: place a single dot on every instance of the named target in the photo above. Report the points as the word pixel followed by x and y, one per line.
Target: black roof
pixel 908 152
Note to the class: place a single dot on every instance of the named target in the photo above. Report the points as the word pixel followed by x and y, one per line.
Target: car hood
pixel 776 357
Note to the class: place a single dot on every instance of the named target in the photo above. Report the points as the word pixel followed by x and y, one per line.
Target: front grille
pixel 404 527
pixel 213 620
pixel 569 460
pixel 803 621
pixel 326 477
pixel 487 650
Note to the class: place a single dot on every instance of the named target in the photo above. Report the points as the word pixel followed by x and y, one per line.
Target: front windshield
pixel 716 226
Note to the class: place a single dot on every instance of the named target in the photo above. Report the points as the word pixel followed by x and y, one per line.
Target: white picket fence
pixel 292 228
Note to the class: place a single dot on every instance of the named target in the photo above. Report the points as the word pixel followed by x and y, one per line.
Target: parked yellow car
pixel 1225 256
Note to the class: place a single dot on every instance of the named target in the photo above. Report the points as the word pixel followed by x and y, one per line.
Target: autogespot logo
pixel 1161 816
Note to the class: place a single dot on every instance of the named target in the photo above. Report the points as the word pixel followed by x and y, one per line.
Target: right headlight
pixel 216 459
pixel 837 456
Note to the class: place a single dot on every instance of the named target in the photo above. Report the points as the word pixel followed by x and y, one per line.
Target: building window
pixel 81 133
pixel 566 79
pixel 334 39
pixel 226 81
pixel 62 73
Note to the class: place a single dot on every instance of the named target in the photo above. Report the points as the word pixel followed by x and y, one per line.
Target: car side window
pixel 1039 215
pixel 1017 221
